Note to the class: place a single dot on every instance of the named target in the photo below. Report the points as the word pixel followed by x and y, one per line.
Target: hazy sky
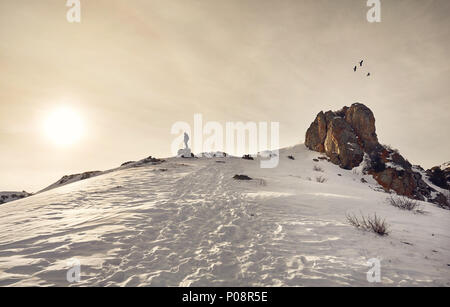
pixel 133 68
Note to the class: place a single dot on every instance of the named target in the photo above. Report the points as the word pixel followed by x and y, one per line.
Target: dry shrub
pixel 321 179
pixel 404 203
pixel 317 168
pixel 369 223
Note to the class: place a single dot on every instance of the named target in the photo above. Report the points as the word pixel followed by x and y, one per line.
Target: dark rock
pixel 242 177
pixel 150 159
pixel 12 196
pixel 439 177
pixel 247 157
pixel 76 177
pixel 341 144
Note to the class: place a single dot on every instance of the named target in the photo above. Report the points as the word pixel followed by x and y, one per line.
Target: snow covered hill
pixel 187 222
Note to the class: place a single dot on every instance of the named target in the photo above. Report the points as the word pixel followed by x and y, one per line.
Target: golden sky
pixel 133 68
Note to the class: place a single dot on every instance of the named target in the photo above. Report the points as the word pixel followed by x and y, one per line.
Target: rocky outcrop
pixel 348 137
pixel 6 197
pixel 362 120
pixel 341 144
pixel 440 176
pixel 316 134
pixel 344 135
pixel 67 179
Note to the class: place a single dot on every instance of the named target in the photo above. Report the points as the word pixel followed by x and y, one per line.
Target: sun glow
pixel 63 126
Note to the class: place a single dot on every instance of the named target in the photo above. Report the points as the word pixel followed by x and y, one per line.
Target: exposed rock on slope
pixel 71 178
pixel 344 135
pixel 6 197
pixel 77 177
pixel 348 137
pixel 440 175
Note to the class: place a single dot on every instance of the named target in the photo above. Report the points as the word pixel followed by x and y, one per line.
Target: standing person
pixel 186 140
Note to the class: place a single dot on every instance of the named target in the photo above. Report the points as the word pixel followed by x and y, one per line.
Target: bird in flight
pixel 360 63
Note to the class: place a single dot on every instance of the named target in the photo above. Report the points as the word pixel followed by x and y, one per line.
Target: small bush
pixel 321 179
pixel 404 203
pixel 317 168
pixel 247 157
pixel 374 224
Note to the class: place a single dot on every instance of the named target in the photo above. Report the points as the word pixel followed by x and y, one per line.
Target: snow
pixel 394 166
pixel 186 222
pixel 445 165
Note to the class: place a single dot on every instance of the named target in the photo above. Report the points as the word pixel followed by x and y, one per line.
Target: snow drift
pixel 187 222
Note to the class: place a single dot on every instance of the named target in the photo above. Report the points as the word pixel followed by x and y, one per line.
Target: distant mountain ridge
pixel 67 179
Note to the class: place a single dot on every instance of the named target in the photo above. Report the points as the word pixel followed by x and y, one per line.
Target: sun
pixel 63 126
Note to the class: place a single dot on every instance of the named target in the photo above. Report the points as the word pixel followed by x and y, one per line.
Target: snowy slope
pixel 186 222
pixel 68 179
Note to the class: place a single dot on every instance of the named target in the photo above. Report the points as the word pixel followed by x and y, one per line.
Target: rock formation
pixel 67 179
pixel 344 135
pixel 6 197
pixel 440 175
pixel 348 137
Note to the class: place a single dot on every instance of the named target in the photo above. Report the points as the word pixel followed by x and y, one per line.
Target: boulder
pixel 362 120
pixel 316 134
pixel 341 144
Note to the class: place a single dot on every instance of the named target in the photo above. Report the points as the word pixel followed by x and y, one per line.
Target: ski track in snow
pixel 188 223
